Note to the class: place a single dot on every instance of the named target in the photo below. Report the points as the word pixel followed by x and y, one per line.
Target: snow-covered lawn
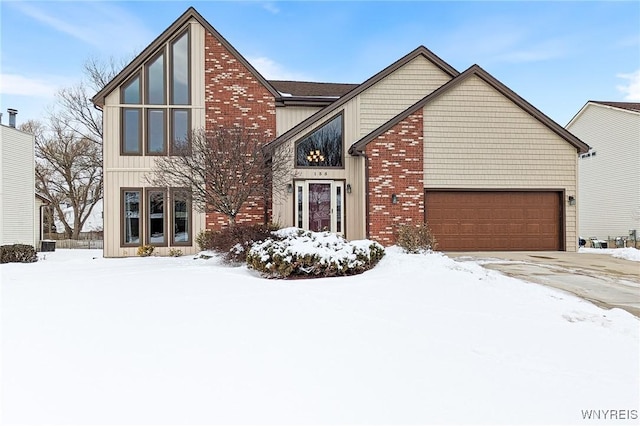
pixel 420 339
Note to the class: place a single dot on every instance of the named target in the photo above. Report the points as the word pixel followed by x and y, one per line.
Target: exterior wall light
pixel 394 199
pixel 289 188
pixel 572 200
pixel 348 188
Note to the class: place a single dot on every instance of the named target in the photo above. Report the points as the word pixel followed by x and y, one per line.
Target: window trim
pixel 123 132
pixel 147 81
pixel 172 197
pixel 123 243
pixel 171 43
pixel 147 144
pixel 308 134
pixel 171 141
pixel 147 225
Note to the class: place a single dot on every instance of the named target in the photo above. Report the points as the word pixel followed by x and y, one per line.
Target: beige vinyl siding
pixel 122 171
pixel 475 138
pixel 17 187
pixel 290 116
pixel 609 190
pixel 398 91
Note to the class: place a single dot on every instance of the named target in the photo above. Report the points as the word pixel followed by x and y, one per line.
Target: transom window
pixel 150 125
pixel 323 147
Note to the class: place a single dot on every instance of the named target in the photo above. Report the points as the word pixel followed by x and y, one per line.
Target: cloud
pixel 271 7
pixel 272 70
pixel 631 90
pixel 102 25
pixel 15 84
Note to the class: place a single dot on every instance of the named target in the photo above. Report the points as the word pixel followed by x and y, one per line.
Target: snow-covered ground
pixel 628 253
pixel 420 339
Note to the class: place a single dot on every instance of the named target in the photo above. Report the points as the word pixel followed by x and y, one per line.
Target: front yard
pixel 418 339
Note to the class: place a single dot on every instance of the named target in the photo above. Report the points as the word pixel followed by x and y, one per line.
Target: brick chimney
pixel 12 117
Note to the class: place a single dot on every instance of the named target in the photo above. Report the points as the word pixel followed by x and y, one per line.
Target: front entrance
pixel 319 205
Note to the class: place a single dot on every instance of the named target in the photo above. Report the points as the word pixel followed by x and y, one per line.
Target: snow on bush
pixel 295 252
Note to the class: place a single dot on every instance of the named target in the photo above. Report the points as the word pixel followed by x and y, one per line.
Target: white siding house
pixel 18 217
pixel 609 174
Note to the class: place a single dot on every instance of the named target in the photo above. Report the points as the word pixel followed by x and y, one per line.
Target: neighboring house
pixel 417 141
pixel 609 174
pixel 19 205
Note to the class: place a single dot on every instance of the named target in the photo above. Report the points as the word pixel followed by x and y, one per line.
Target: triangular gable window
pixel 323 147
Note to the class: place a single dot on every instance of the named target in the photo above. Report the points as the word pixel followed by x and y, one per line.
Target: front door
pixel 319 205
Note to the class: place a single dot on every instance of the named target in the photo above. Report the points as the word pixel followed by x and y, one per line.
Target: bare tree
pixel 68 172
pixel 74 107
pixel 223 168
pixel 69 147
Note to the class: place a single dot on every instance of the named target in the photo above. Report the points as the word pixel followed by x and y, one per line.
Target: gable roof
pixel 476 70
pixel 307 88
pixel 150 50
pixel 624 107
pixel 419 51
pixel 630 106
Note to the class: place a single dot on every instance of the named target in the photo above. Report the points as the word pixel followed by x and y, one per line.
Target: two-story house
pixel 609 173
pixel 417 141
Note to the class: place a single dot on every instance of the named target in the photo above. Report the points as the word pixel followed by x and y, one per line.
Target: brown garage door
pixel 471 221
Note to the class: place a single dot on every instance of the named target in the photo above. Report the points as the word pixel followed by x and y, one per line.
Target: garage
pixel 495 220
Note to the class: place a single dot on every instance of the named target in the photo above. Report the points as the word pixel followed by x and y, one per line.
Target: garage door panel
pixel 498 220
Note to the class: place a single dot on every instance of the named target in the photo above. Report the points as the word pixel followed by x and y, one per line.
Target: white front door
pixel 319 205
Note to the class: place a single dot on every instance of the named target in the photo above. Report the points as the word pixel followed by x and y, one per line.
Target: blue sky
pixel 557 55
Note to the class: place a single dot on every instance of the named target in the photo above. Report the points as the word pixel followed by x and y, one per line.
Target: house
pixel 609 173
pixel 20 206
pixel 417 141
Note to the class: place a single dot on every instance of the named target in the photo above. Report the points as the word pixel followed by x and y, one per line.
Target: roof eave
pixel 581 147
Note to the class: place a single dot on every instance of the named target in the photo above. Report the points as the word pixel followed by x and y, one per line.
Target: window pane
pixel 131 131
pixel 131 217
pixel 181 225
pixel 180 71
pixel 131 92
pixel 300 207
pixel 156 217
pixel 180 129
pixel 155 131
pixel 155 81
pixel 338 209
pixel 323 148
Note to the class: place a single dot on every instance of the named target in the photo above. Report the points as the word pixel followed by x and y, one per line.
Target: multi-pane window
pixel 323 147
pixel 156 132
pixel 180 70
pixel 179 130
pixel 155 87
pixel 150 125
pixel 181 206
pixel 131 219
pixel 131 91
pixel 156 216
pixel 131 130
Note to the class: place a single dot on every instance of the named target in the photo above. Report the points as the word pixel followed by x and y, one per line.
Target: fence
pixel 79 244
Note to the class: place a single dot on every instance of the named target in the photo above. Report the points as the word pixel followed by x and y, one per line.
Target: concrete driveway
pixel 607 281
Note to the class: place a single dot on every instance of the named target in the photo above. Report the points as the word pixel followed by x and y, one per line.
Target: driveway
pixel 607 281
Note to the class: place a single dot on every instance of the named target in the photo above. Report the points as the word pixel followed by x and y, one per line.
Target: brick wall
pixel 396 167
pixel 233 96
